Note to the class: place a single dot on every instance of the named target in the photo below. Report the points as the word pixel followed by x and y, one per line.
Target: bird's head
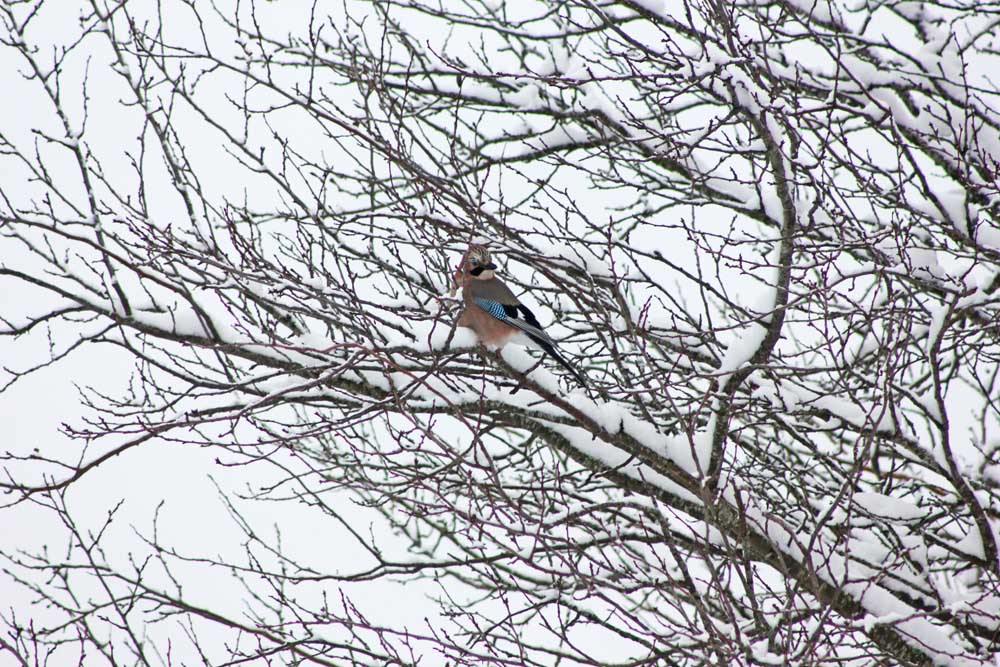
pixel 476 265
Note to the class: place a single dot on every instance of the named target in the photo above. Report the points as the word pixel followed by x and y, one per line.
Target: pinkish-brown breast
pixel 491 331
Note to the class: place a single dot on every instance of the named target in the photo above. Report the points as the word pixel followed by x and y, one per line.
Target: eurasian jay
pixel 494 313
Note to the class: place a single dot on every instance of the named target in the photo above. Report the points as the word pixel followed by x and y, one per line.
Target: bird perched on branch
pixel 494 313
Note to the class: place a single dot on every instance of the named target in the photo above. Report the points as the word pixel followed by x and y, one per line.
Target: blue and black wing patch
pixel 500 311
pixel 518 315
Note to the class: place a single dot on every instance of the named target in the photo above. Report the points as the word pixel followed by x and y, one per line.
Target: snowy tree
pixel 767 232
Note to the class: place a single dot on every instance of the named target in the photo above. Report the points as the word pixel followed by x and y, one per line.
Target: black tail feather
pixel 551 351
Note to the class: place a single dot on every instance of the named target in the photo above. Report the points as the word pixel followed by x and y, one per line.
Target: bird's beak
pixel 491 266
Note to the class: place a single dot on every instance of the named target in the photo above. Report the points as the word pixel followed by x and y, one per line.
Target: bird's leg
pixel 517 387
pixel 484 353
pixel 520 382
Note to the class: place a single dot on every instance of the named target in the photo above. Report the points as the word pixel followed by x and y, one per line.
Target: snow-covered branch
pixel 768 234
